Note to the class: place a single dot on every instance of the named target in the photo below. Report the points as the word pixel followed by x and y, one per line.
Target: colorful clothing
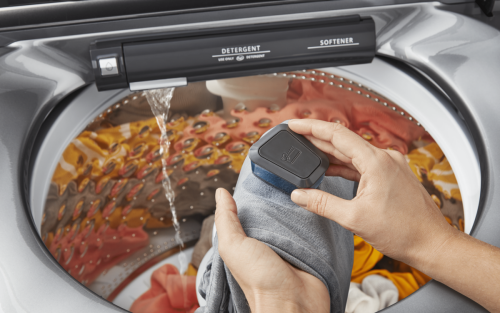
pixel 406 279
pixel 107 184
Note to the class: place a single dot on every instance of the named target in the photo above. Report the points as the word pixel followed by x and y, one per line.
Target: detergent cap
pixel 288 160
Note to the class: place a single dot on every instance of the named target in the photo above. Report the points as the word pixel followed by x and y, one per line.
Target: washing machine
pixel 76 75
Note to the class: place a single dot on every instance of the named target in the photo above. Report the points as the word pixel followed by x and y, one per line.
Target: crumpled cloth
pixel 373 294
pixel 170 292
pixel 406 279
pixel 309 242
pixel 205 242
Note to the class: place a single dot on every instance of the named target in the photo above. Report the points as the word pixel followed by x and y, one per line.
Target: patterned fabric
pixel 432 168
pixel 430 161
pixel 443 178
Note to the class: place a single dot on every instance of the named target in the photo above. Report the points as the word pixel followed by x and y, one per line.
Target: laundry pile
pixel 367 262
pixel 106 191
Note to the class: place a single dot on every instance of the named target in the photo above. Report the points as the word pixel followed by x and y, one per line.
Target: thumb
pixel 229 231
pixel 324 204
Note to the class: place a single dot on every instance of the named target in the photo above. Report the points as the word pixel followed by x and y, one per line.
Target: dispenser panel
pixel 243 50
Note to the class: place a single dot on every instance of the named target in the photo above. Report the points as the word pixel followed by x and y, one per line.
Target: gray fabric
pixel 312 243
pixel 205 242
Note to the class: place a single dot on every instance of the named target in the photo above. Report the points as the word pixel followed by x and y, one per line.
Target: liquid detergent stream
pixel 159 100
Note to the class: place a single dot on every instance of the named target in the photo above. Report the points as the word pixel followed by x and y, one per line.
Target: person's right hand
pixel 392 211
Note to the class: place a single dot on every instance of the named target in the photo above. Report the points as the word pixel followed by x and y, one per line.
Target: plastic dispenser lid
pixel 290 156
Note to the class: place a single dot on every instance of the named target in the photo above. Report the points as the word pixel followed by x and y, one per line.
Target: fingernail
pixel 300 197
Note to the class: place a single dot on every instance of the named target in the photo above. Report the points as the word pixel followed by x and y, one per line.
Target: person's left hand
pixel 270 283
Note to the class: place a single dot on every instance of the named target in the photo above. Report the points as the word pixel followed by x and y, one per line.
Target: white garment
pixel 373 294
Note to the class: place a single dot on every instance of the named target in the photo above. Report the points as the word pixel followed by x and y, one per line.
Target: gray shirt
pixel 309 242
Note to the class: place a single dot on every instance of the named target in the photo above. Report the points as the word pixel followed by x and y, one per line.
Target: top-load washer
pixel 70 69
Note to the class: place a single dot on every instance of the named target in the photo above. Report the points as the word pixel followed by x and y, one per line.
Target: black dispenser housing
pixel 176 58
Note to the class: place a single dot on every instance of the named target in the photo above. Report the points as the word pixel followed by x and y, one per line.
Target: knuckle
pixel 337 127
pixel 395 163
pixel 398 156
pixel 385 161
pixel 318 203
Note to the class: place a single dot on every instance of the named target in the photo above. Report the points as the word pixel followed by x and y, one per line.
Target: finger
pixel 333 155
pixel 343 171
pixel 329 149
pixel 229 231
pixel 345 141
pixel 333 160
pixel 326 205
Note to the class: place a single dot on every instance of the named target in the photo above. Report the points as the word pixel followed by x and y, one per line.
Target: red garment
pixel 170 292
pixel 87 254
pixel 380 125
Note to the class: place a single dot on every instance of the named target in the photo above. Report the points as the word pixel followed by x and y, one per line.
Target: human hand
pixel 269 283
pixel 392 211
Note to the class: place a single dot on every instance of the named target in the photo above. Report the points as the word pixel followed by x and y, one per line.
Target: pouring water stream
pixel 159 100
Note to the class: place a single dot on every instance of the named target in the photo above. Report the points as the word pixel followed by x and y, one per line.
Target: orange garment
pixel 406 279
pixel 170 292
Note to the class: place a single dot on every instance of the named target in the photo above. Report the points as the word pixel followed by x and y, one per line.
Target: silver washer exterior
pixel 458 52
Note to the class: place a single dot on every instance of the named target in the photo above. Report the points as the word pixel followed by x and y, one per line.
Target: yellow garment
pixel 191 270
pixel 365 257
pixel 104 152
pixel 100 155
pixel 422 160
pixel 406 279
pixel 444 180
pixel 431 161
pixel 420 277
